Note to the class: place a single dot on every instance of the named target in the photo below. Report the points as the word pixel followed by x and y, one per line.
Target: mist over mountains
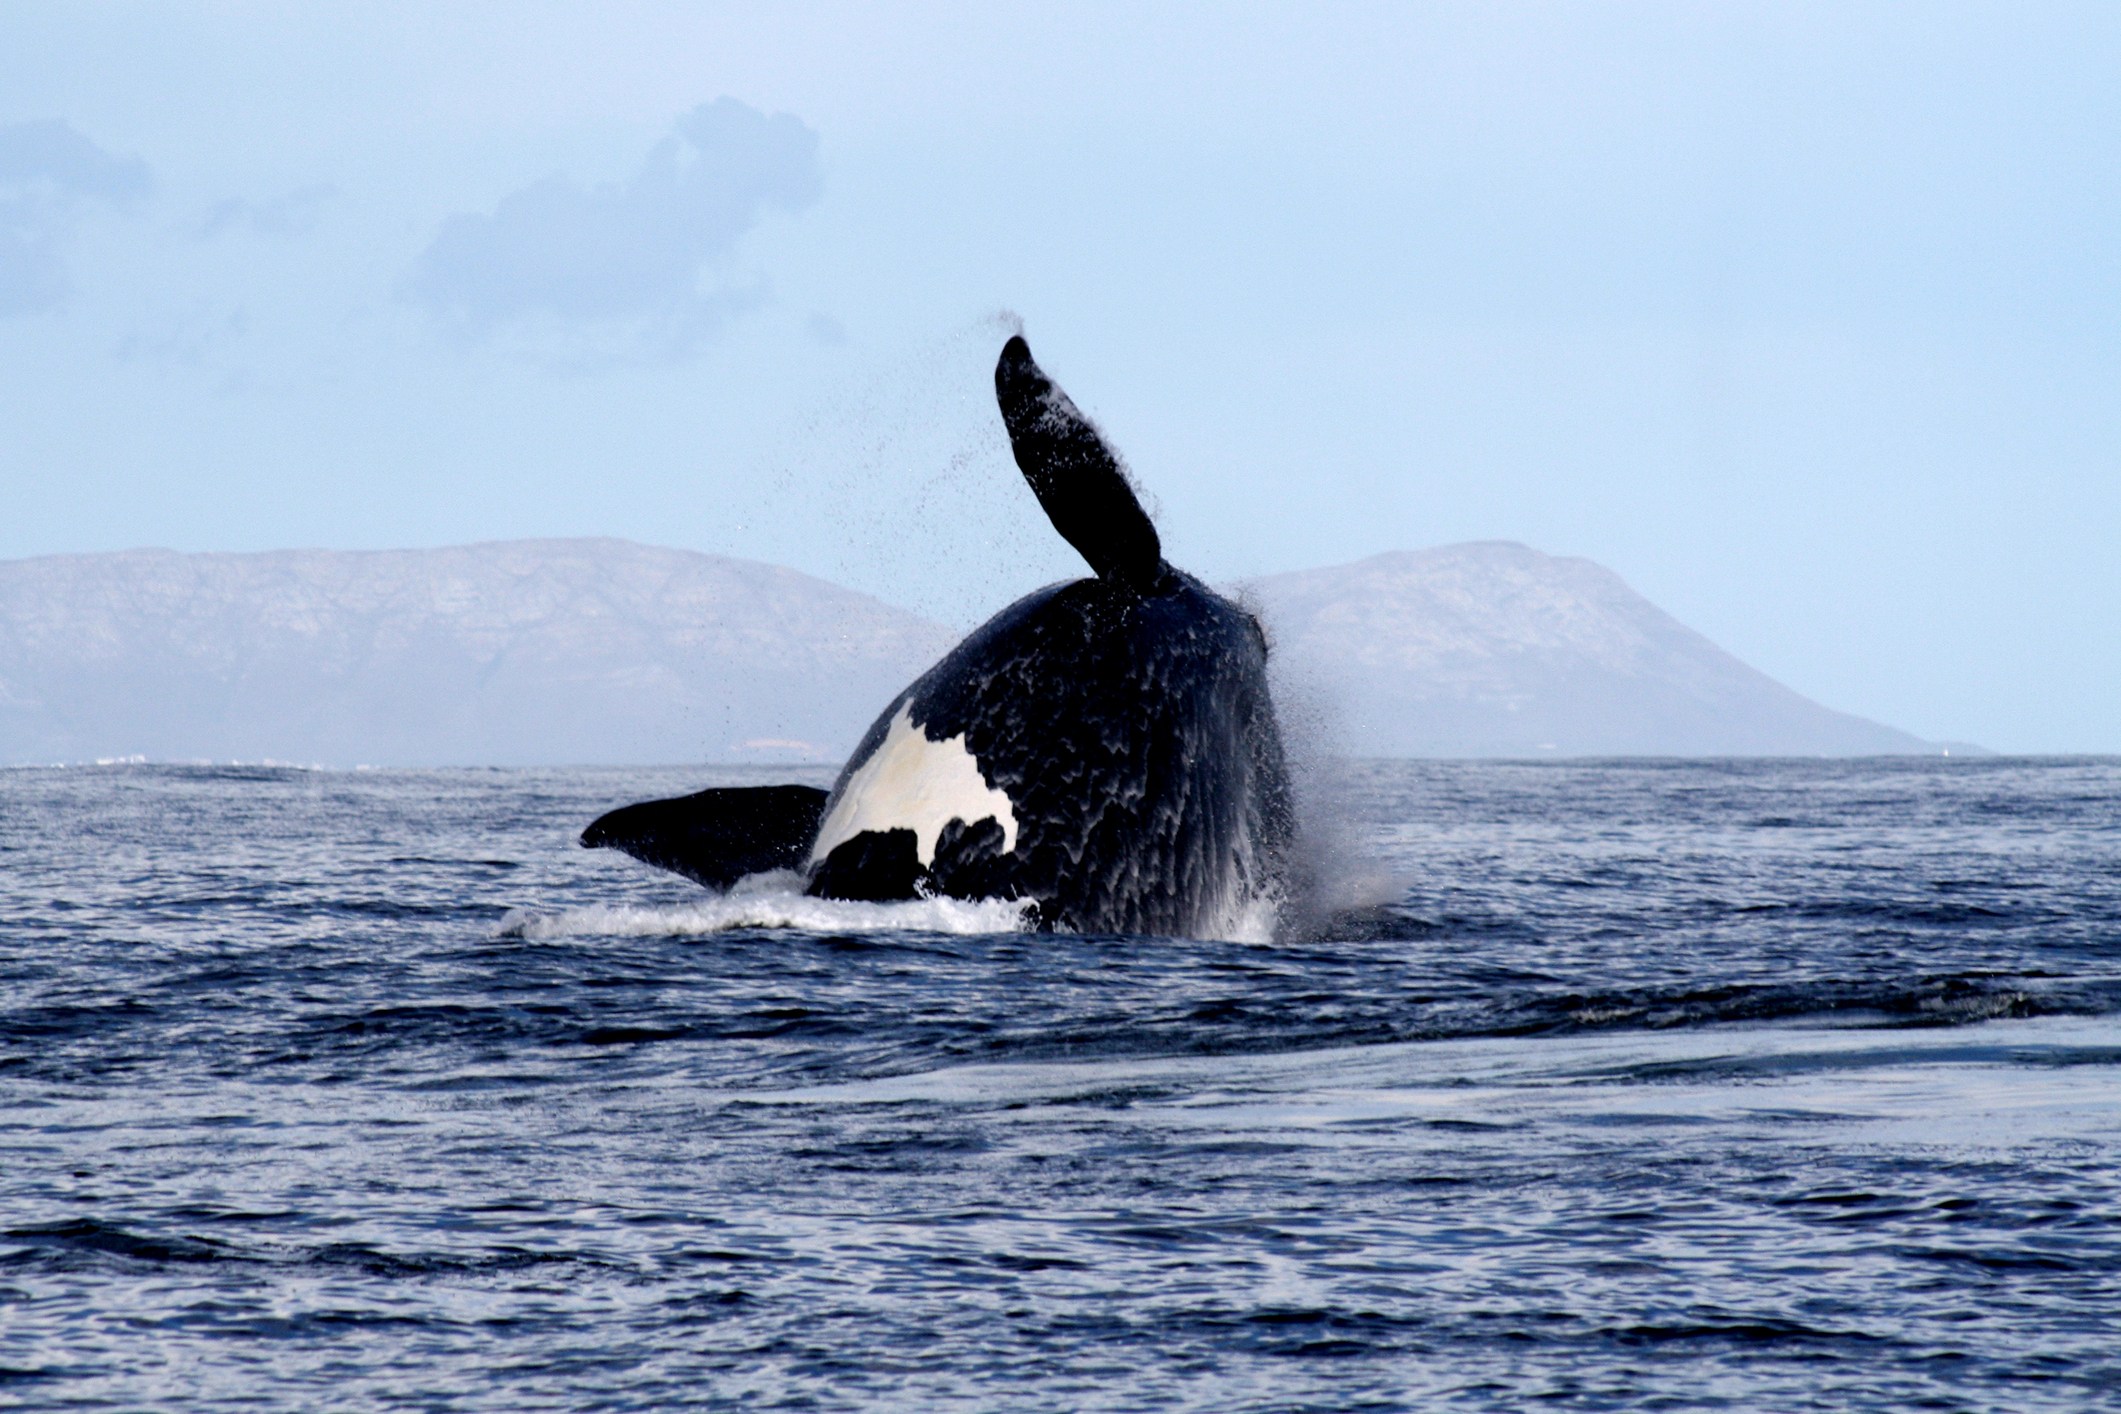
pixel 605 651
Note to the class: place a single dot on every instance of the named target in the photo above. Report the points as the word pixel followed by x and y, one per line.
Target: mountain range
pixel 605 651
pixel 517 652
pixel 1494 649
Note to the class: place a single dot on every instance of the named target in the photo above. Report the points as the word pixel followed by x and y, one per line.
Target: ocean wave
pixel 776 904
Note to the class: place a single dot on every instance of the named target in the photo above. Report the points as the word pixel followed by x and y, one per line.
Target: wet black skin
pixel 1126 717
pixel 1136 742
pixel 717 836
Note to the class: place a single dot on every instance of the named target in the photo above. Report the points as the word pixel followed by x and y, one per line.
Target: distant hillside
pixel 519 652
pixel 1494 649
pixel 555 651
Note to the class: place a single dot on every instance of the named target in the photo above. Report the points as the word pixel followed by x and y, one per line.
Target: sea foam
pixel 774 906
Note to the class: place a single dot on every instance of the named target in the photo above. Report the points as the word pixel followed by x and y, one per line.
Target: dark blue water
pixel 1669 1085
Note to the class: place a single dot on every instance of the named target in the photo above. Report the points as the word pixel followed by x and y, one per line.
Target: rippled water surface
pixel 1662 1085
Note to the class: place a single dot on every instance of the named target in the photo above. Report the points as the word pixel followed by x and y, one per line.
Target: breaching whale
pixel 1104 749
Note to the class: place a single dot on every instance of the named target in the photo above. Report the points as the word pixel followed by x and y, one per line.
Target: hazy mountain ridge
pixel 598 650
pixel 517 651
pixel 1494 649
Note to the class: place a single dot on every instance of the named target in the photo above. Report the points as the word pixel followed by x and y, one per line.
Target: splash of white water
pixel 773 906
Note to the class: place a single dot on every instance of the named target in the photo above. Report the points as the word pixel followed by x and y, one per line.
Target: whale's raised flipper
pixel 1076 477
pixel 717 836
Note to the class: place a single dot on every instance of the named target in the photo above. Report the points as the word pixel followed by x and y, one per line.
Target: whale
pixel 1104 751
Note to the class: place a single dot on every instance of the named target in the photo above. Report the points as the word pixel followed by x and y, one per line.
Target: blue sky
pixel 1804 318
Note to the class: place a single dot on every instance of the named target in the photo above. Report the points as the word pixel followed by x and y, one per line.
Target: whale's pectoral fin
pixel 1076 477
pixel 876 865
pixel 717 836
pixel 882 865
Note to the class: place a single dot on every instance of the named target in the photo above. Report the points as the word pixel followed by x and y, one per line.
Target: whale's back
pixel 1129 747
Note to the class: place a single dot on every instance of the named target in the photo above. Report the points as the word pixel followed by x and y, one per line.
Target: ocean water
pixel 1648 1085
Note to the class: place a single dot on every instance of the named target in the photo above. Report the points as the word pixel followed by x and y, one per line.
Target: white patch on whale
pixel 912 783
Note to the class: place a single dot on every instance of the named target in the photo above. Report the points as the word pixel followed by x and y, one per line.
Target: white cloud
pixel 625 254
pixel 47 170
pixel 49 156
pixel 292 214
